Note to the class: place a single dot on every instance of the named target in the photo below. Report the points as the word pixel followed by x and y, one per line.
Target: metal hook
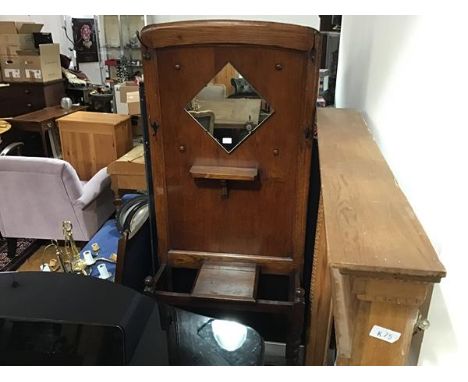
pixel 146 55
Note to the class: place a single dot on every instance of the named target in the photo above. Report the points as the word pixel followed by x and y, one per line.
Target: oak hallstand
pixel 231 220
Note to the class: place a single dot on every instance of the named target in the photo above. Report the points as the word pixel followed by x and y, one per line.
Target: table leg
pixel 11 245
pixel 45 149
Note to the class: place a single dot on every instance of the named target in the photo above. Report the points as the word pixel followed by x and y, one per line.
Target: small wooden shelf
pixel 229 281
pixel 248 174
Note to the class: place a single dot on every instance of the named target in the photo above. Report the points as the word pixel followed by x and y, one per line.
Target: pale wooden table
pixel 128 172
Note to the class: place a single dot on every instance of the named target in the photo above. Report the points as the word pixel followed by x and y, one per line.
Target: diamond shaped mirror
pixel 229 108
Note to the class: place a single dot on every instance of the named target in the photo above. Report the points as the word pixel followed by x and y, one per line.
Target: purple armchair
pixel 38 194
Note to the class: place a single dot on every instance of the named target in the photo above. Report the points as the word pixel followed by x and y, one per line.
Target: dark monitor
pixel 62 319
pixel 42 38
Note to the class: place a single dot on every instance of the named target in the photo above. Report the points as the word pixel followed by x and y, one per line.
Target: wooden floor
pixel 41 256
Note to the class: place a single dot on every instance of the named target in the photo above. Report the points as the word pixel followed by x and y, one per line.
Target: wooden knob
pixel 275 152
pixel 177 66
pixel 27 91
pixel 279 67
pixel 148 281
pixel 29 105
pixel 181 148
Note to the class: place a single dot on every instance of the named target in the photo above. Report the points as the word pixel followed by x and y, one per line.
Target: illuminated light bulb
pixel 229 335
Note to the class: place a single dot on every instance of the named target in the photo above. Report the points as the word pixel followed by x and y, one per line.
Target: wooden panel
pixel 54 91
pixel 153 101
pixel 229 32
pixel 185 300
pixel 225 173
pixel 231 281
pixel 259 220
pixel 375 352
pixel 193 259
pixel 123 138
pixel 370 226
pixel 390 304
pixel 102 157
pixel 73 146
pixel 344 312
pixel 304 157
pixel 128 182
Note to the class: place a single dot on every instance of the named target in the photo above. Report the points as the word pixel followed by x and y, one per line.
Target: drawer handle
pixel 27 91
pixel 29 105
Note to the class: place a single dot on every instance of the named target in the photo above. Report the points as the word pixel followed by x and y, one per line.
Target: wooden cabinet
pixel 91 141
pixel 374 266
pixel 24 97
pixel 231 182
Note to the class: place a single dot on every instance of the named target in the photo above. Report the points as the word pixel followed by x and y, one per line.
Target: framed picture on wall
pixel 84 38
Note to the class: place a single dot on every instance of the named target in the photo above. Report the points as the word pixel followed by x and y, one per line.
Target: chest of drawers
pixel 24 97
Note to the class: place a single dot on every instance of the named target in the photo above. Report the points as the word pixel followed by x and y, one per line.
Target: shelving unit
pixel 120 40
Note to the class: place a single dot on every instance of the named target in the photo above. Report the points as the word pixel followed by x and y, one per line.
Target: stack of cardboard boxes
pixel 127 98
pixel 20 60
pixel 127 101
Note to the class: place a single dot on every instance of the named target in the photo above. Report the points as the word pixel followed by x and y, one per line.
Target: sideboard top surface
pixel 370 225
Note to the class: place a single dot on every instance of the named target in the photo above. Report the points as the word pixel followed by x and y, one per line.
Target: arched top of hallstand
pixel 239 32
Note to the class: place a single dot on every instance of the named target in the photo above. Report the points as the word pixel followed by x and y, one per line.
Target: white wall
pixel 306 20
pixel 409 76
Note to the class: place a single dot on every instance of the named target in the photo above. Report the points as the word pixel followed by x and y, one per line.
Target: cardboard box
pixel 133 102
pixel 17 36
pixel 12 69
pixel 121 107
pixel 125 88
pixel 7 51
pixel 41 65
pixel 120 92
pixel 8 27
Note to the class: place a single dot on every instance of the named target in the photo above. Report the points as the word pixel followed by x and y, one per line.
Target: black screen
pixel 54 343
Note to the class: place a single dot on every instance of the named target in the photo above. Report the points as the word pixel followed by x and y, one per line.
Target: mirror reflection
pixel 228 108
